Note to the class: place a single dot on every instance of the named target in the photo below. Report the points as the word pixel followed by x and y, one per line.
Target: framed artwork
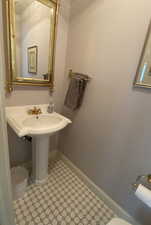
pixel 32 59
pixel 143 76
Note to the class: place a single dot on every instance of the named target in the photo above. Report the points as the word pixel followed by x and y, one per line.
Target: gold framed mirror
pixel 143 75
pixel 31 34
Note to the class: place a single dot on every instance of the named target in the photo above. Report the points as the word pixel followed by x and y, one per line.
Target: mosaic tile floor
pixel 63 200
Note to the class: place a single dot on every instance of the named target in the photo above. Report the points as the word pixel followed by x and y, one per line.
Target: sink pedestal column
pixel 40 150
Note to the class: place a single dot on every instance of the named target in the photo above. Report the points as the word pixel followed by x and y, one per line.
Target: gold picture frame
pixel 143 74
pixel 12 79
pixel 32 53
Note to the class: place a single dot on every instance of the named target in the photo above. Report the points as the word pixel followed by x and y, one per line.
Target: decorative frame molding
pixel 12 80
pixel 31 50
pixel 136 82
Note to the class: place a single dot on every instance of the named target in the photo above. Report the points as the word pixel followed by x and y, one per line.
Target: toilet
pixel 118 221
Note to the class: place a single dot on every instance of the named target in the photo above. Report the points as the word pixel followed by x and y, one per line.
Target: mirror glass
pixel 32 26
pixel 143 77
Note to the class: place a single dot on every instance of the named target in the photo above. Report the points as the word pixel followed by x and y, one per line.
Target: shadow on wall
pixel 143 215
pixel 64 10
pixel 19 150
pixel 79 6
pixel 142 90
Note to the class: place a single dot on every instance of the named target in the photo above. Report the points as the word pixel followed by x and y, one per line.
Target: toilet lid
pixel 118 221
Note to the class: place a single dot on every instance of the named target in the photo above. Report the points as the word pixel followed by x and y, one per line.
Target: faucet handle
pixel 34 111
pixel 30 111
pixel 39 111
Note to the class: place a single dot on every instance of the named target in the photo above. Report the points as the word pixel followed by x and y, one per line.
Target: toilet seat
pixel 118 221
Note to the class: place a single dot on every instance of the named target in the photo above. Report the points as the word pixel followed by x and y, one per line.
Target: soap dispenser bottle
pixel 51 106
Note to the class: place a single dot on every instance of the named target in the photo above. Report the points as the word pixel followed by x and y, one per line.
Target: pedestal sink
pixel 40 127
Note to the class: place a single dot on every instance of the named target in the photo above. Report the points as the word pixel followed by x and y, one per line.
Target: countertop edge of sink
pixel 22 131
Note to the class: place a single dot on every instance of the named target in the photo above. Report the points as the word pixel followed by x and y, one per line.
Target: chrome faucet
pixel 34 111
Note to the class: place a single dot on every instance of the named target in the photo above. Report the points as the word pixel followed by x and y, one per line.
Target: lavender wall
pixel 110 138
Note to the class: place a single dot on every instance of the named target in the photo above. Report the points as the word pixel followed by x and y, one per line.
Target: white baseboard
pixel 53 154
pixel 101 194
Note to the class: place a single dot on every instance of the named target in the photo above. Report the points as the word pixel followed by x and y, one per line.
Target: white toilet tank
pixel 118 221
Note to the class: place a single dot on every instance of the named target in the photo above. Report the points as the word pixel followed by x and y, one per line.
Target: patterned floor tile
pixel 63 200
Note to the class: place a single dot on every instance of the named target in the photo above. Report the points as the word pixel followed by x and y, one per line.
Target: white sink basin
pixel 40 128
pixel 43 122
pixel 24 124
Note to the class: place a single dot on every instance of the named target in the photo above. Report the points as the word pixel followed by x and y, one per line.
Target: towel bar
pixel 71 74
